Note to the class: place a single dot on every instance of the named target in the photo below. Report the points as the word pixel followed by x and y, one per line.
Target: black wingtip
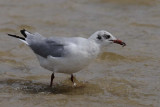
pixel 16 36
pixel 23 33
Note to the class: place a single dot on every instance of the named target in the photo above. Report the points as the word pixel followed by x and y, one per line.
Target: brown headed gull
pixel 67 54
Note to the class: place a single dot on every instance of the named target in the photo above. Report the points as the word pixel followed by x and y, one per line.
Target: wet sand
pixel 120 77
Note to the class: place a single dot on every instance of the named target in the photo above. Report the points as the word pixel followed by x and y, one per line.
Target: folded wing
pixel 47 48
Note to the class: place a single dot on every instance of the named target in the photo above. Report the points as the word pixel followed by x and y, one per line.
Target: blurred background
pixel 120 77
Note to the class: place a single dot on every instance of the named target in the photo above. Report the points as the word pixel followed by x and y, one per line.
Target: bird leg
pixel 52 77
pixel 73 80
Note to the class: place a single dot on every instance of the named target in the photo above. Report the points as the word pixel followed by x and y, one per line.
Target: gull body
pixel 67 55
pixel 79 52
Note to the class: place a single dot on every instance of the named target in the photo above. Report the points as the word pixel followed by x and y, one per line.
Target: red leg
pixel 52 77
pixel 73 80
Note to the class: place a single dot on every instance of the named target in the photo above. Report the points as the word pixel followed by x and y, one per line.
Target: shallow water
pixel 120 77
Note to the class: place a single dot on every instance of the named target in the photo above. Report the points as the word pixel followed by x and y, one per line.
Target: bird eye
pixel 99 37
pixel 106 36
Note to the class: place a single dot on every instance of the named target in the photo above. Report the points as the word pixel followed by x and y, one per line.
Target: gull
pixel 67 54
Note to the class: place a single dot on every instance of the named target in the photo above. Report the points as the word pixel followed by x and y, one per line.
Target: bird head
pixel 105 38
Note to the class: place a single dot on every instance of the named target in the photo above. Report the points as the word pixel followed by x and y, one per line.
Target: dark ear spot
pixel 99 37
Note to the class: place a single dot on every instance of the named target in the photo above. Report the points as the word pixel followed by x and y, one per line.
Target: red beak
pixel 119 42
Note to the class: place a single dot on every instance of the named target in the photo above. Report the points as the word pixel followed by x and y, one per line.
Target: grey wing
pixel 48 47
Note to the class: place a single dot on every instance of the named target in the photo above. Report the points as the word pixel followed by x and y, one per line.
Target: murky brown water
pixel 121 77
